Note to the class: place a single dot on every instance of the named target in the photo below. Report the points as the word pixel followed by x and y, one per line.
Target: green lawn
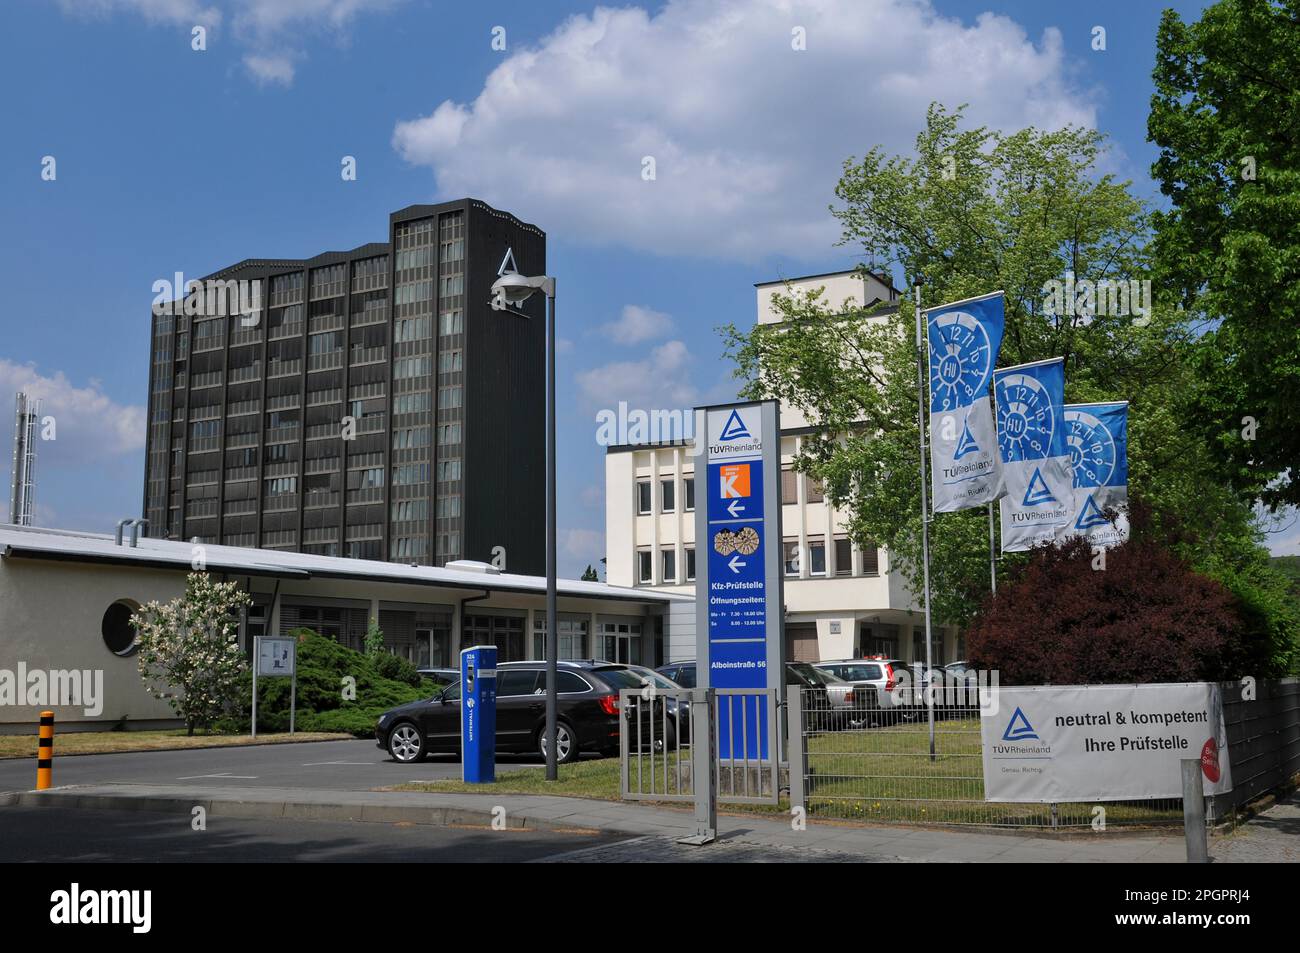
pixel 886 774
pixel 115 742
pixel 882 775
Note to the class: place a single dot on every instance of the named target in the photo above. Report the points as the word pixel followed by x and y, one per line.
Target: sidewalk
pixel 541 812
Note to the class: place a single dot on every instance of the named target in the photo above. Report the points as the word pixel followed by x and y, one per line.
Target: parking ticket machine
pixel 478 714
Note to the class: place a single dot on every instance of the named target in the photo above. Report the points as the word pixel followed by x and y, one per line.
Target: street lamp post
pixel 514 289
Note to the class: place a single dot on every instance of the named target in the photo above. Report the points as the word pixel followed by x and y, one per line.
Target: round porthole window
pixel 116 629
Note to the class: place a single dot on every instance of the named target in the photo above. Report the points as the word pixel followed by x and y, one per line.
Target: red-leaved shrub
pixel 1145 617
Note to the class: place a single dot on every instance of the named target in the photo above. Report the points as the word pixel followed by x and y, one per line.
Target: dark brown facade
pixel 372 406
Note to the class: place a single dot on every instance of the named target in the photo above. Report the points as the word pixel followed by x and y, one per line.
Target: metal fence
pixel 870 760
pixel 1263 723
pixel 656 754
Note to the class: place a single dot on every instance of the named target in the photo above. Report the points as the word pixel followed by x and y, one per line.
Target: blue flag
pixel 964 339
pixel 1097 438
pixel 1039 493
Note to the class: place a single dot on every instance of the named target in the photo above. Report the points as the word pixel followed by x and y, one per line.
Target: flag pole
pixel 921 363
pixel 993 553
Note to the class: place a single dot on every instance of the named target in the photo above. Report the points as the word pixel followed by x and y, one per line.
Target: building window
pixel 870 561
pixel 790 556
pixel 688 492
pixel 645 566
pixel 643 497
pixel 817 558
pixel 843 556
pixel 789 483
pixel 667 496
pixel 668 561
pixel 690 563
pixel 115 628
pixel 813 490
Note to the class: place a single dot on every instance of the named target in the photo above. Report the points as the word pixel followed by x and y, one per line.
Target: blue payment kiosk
pixel 478 714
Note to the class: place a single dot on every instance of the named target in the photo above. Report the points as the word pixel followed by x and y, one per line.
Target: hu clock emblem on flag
pixel 960 360
pixel 1026 418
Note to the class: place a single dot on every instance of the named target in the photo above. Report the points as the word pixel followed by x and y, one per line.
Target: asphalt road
pixel 69 835
pixel 329 765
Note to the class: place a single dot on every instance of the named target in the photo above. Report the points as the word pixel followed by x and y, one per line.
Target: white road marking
pixel 235 777
pixel 313 764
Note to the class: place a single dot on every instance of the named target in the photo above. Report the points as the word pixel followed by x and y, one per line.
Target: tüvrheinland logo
pixel 1019 728
pixel 734 428
pixel 1037 493
pixel 76 906
pixel 966 443
pixel 1090 515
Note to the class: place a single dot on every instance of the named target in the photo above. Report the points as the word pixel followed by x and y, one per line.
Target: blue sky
pixel 174 159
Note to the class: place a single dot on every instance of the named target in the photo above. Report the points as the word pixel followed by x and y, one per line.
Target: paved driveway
pixel 332 765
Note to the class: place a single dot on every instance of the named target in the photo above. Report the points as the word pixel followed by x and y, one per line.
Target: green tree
pixel 188 649
pixel 976 211
pixel 590 575
pixel 1225 115
pixel 374 640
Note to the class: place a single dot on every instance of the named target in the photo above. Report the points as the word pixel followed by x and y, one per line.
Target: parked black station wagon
pixel 588 712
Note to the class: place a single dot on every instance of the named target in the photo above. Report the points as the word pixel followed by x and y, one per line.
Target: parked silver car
pixel 872 680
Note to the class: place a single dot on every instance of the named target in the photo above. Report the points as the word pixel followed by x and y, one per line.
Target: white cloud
pixel 271 30
pixel 637 324
pixel 184 12
pixel 593 496
pixel 660 381
pixel 748 135
pixel 89 425
pixel 276 68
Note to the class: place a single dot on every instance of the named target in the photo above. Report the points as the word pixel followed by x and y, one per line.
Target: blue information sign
pixel 742 606
pixel 478 714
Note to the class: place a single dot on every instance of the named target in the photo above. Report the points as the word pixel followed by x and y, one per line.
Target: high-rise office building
pixel 366 403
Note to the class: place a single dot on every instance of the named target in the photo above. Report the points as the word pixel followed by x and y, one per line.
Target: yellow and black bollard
pixel 45 752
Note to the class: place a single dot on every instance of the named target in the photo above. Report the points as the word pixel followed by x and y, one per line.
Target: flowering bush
pixel 189 654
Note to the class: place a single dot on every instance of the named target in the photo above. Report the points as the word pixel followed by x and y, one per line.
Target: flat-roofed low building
pixel 66 598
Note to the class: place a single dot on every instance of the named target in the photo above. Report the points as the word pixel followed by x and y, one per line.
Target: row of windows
pixel 667 496
pixel 792 561
pixel 813 492
pixel 667 565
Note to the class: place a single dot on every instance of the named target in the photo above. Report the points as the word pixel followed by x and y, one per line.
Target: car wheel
pixel 406 743
pixel 665 740
pixel 566 743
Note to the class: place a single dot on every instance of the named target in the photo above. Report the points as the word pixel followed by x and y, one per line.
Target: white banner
pixel 1102 742
pixel 964 340
pixel 1035 461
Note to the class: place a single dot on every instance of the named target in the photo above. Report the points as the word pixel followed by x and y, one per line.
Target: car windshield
pixel 619 677
pixel 861 673
pixel 657 679
pixel 811 675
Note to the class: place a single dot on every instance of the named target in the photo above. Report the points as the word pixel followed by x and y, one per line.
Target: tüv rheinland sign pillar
pixel 739 586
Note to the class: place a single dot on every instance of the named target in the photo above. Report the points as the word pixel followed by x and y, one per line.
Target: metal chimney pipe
pixel 135 531
pixel 120 524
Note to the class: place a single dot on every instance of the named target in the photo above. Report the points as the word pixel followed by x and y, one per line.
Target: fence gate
pixel 741 749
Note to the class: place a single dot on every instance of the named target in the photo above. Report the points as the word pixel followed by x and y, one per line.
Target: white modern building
pixel 842 600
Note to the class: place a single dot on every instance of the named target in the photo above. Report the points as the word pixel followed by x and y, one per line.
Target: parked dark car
pixel 440 676
pixel 588 713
